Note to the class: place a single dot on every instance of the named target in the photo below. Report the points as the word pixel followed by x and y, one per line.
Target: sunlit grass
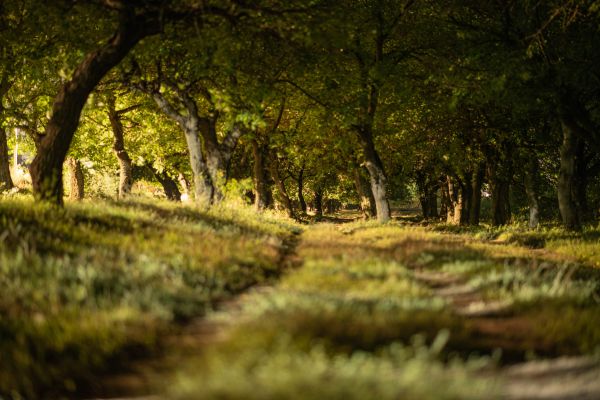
pixel 86 287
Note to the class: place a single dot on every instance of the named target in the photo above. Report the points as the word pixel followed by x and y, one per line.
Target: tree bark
pixel 189 123
pixel 185 185
pixel 453 202
pixel 581 183
pixel 466 197
pixel 301 199
pixel 76 180
pixel 125 164
pixel 377 175
pixel 6 182
pixel 319 203
pixel 444 199
pixel 365 196
pixel 215 162
pixel 476 184
pixel 285 198
pixel 208 157
pixel 531 190
pixel 168 184
pixel 46 168
pixel 261 185
pixel 566 179
pixel 500 202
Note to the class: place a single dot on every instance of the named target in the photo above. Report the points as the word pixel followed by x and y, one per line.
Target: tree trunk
pixel 169 185
pixel 453 209
pixel 531 189
pixel 301 199
pixel 566 180
pixel 283 194
pixel 331 206
pixel 365 196
pixel 261 185
pixel 185 186
pixel 427 195
pixel 6 182
pixel 189 123
pixel 377 175
pixel 215 163
pixel 476 184
pixel 76 183
pixel 466 197
pixel 444 199
pixel 46 168
pixel 500 202
pixel 581 183
pixel 421 181
pixel 125 164
pixel 319 203
pixel 433 209
pixel 204 188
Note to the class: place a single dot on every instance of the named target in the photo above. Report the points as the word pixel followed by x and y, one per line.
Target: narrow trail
pixel 558 378
pixel 144 378
pixel 492 323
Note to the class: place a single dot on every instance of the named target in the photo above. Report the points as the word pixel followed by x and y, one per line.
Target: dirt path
pixel 144 378
pixel 341 264
pixel 560 378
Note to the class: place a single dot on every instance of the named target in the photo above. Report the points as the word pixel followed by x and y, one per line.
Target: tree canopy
pixel 477 110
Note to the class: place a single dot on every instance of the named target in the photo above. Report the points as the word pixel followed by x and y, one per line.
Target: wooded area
pixel 345 102
pixel 138 137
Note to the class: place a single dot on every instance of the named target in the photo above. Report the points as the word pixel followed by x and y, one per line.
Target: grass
pixel 583 247
pixel 356 315
pixel 84 288
pixel 351 323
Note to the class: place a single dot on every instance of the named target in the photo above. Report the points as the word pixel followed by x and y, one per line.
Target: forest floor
pixel 343 310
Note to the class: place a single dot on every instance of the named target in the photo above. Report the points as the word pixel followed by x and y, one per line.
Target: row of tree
pixel 455 100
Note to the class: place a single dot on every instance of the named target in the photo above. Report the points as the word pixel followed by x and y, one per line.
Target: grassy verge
pixel 86 287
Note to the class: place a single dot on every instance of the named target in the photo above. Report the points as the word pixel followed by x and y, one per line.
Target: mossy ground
pixel 367 311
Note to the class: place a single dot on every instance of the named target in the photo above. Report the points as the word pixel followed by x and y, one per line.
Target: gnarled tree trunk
pixel 466 197
pixel 301 199
pixel 76 180
pixel 283 194
pixel 500 202
pixel 125 164
pixel 377 174
pixel 168 184
pixel 261 184
pixel 454 201
pixel 208 157
pixel 566 179
pixel 46 168
pixel 6 182
pixel 365 196
pixel 319 203
pixel 185 185
pixel 531 189
pixel 189 122
pixel 476 184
